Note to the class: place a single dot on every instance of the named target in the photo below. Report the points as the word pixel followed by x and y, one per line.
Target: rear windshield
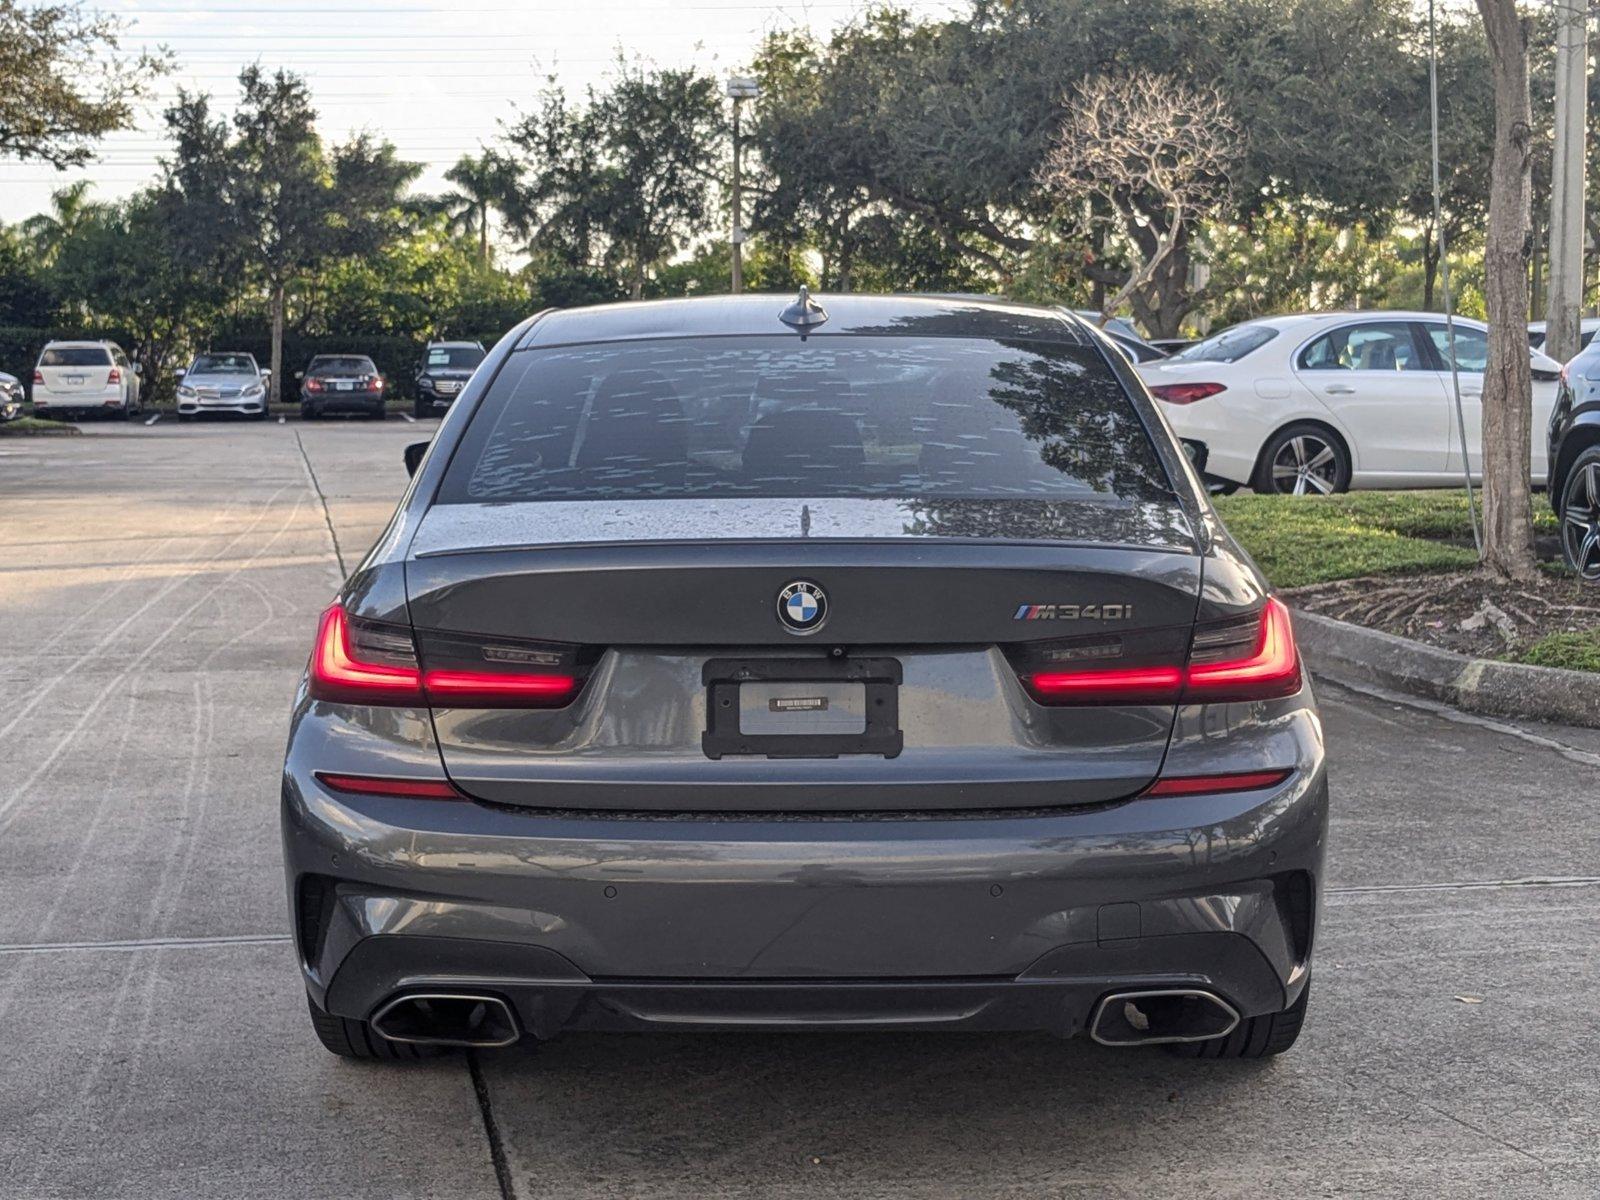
pixel 75 356
pixel 777 416
pixel 224 364
pixel 1228 346
pixel 454 358
pixel 344 365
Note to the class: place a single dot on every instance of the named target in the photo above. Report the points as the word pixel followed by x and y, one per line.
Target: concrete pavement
pixel 159 589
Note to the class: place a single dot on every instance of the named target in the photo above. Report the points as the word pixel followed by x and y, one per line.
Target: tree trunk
pixel 1430 266
pixel 483 233
pixel 1507 384
pixel 277 342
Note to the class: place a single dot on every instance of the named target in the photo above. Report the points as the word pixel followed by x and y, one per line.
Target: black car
pixel 760 663
pixel 1574 447
pixel 443 372
pixel 341 383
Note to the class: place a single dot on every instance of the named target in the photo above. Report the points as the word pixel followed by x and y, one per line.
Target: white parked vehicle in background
pixel 1587 328
pixel 85 377
pixel 1325 402
pixel 223 383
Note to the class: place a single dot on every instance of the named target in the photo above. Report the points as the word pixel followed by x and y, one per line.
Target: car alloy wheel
pixel 1306 464
pixel 1580 517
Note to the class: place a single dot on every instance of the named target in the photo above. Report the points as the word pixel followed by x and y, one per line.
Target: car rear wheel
pixel 1303 460
pixel 355 1039
pixel 1580 515
pixel 1253 1037
pixel 423 410
pixel 308 413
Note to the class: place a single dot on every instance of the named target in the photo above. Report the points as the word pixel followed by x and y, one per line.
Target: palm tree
pixel 482 183
pixel 69 209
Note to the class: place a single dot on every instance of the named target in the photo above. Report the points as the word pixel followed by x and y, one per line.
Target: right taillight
pixel 1247 658
pixel 1186 393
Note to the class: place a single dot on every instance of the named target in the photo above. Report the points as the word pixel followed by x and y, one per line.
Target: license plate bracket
pixel 879 679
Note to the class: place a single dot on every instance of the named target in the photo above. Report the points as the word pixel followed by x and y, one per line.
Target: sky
pixel 436 79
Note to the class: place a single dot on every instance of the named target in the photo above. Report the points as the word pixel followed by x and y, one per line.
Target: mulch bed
pixel 1468 613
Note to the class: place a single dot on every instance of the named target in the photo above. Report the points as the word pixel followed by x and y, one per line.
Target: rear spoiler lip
pixel 622 543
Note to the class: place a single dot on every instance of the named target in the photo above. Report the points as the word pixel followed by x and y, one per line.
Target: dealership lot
pixel 160 586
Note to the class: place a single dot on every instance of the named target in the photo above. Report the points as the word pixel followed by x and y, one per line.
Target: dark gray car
pixel 741 663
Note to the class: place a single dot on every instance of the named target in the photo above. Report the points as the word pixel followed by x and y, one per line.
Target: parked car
pixel 341 383
pixel 1324 402
pixel 1573 442
pixel 1587 327
pixel 737 664
pixel 11 397
pixel 82 377
pixel 223 382
pixel 443 372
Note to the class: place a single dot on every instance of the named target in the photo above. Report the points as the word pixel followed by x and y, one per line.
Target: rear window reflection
pixel 775 416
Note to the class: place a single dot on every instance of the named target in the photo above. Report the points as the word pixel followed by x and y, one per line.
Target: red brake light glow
pixel 1200 785
pixel 1271 669
pixel 375 384
pixel 1186 393
pixel 338 675
pixel 376 785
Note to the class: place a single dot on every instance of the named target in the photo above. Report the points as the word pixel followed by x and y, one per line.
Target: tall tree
pixel 267 196
pixel 1507 384
pixel 484 183
pixel 65 81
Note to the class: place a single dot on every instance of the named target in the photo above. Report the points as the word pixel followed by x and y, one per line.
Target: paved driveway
pixel 159 587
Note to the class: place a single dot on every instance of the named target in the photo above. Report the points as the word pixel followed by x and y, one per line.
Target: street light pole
pixel 739 90
pixel 1564 295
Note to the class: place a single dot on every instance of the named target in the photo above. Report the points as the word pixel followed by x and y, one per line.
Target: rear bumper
pixel 965 923
pixel 343 401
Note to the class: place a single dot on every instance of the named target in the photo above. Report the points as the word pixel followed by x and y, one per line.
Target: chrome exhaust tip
pixel 447 1019
pixel 1147 1018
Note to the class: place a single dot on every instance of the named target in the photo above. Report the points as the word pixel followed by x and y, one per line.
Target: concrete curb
pixel 1340 650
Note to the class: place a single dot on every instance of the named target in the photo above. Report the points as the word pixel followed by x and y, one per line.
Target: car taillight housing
pixel 38 375
pixel 367 662
pixel 313 385
pixel 115 376
pixel 1186 393
pixel 1247 658
pixel 375 384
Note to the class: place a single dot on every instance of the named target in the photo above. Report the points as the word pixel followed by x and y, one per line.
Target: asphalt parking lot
pixel 159 587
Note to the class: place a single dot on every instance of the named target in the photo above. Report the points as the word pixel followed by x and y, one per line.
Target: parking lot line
pixel 153 419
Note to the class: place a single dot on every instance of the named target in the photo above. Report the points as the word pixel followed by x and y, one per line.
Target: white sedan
pixel 1325 402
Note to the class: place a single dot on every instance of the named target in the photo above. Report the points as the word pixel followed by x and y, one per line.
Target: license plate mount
pixel 802 707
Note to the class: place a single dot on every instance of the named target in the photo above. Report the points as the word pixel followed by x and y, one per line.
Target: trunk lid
pixel 680 630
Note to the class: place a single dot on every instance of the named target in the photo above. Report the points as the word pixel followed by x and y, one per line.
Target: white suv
pixel 84 376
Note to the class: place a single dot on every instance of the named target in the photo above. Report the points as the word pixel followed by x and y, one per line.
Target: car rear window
pixel 1228 346
pixel 342 366
pixel 778 416
pixel 75 356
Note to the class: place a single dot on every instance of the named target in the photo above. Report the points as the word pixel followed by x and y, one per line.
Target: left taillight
pixel 1250 658
pixel 364 662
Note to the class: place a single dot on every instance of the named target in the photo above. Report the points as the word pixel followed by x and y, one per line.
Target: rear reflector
pixel 1186 393
pixel 377 785
pixel 1242 659
pixel 1201 785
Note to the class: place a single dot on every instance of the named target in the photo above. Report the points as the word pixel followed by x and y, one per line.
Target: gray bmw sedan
pixel 859 662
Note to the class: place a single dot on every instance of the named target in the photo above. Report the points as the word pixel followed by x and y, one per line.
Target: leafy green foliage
pixel 1574 651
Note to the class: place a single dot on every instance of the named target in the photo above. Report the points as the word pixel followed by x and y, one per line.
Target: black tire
pixel 308 413
pixel 376 414
pixel 1255 1037
pixel 355 1039
pixel 1303 459
pixel 1580 515
pixel 423 411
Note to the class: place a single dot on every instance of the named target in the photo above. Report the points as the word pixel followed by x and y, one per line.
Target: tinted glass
pixel 1377 346
pixel 75 356
pixel 342 365
pixel 1228 346
pixel 453 358
pixel 1472 347
pixel 775 416
pixel 224 364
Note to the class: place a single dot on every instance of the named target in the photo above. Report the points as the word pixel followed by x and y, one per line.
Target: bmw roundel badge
pixel 802 607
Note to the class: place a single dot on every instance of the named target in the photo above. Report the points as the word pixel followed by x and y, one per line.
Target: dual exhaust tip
pixel 483 1021
pixel 477 1021
pixel 1148 1018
